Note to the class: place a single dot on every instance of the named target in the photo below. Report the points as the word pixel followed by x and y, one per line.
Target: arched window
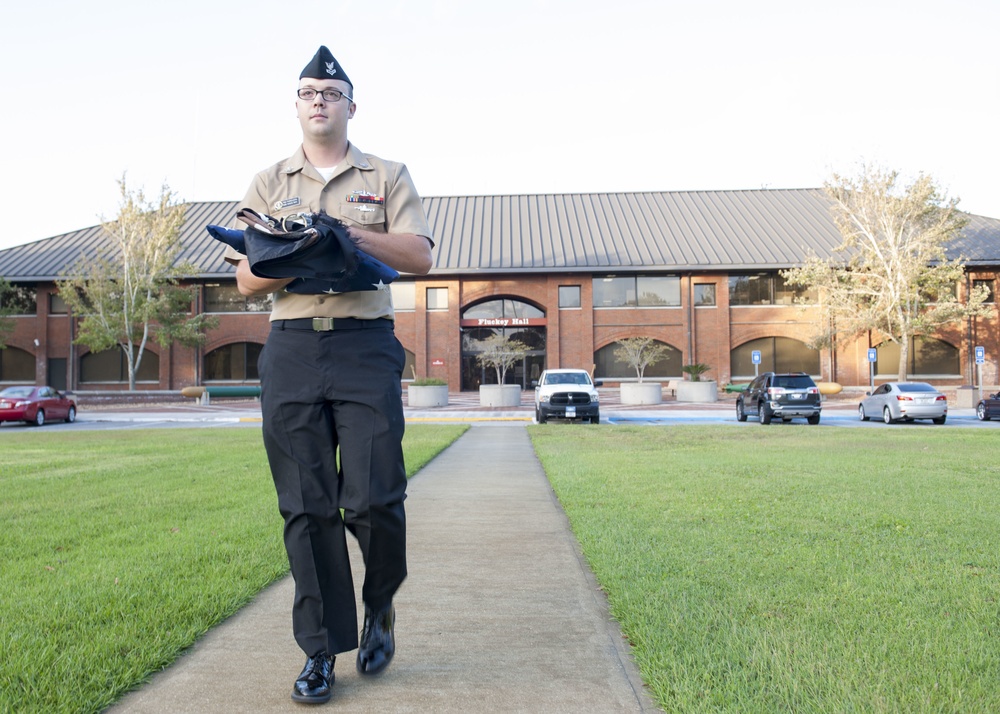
pixel 505 307
pixel 233 363
pixel 928 357
pixel 777 354
pixel 111 366
pixel 473 373
pixel 607 366
pixel 16 365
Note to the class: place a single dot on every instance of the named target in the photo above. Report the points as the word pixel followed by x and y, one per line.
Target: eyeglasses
pixel 329 95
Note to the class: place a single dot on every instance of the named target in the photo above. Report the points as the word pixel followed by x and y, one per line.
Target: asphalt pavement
pixel 464 407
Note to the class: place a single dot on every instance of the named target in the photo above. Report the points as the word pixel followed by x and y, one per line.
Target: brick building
pixel 567 274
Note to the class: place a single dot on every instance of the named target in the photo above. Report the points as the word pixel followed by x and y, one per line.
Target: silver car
pixel 904 401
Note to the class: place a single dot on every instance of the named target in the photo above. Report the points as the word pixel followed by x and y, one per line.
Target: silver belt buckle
pixel 322 324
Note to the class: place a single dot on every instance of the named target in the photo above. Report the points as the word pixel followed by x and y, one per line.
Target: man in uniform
pixel 331 380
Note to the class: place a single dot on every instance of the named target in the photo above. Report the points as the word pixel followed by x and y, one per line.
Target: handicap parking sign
pixel 872 355
pixel 755 356
pixel 980 355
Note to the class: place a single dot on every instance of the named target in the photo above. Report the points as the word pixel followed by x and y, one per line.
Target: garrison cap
pixel 324 65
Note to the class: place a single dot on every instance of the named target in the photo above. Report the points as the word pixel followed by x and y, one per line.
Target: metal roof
pixel 49 258
pixel 690 230
pixel 673 231
pixel 979 243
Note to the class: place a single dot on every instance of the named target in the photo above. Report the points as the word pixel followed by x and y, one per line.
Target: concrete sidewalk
pixel 499 613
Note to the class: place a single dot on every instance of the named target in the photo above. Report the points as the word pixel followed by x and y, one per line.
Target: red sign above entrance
pixel 505 322
pixel 437 363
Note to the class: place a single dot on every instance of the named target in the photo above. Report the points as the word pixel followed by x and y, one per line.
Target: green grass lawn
pixel 785 569
pixel 789 569
pixel 118 549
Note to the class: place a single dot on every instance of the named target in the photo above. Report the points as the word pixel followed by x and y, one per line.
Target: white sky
pixel 551 96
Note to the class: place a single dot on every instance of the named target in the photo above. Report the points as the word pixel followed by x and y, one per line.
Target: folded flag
pixel 321 257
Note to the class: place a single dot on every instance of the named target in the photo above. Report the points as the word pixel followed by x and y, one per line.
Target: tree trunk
pixel 904 357
pixel 130 363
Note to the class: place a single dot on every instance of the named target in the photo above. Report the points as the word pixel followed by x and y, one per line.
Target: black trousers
pixel 324 393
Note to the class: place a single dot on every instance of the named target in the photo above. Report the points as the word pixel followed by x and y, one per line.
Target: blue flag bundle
pixel 317 252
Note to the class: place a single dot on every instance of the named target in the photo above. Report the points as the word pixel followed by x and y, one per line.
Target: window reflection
pixel 111 366
pixel 777 354
pixel 637 291
pixel 766 289
pixel 927 356
pixel 236 362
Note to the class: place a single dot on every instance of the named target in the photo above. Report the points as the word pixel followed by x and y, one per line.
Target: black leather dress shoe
pixel 315 684
pixel 378 640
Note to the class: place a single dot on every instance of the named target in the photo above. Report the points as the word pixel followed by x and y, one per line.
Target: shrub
pixel 695 370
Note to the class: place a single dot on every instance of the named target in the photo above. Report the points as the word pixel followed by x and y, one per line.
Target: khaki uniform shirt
pixel 294 186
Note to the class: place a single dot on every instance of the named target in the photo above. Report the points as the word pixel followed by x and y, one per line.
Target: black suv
pixel 780 396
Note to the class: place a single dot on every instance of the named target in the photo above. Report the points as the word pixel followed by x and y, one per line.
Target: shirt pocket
pixel 367 215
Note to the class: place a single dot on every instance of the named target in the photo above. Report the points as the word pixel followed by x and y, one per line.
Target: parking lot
pixel 464 407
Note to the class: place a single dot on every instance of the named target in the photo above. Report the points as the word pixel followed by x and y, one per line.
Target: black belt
pixel 330 324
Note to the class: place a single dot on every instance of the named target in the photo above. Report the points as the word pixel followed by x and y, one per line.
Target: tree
pixel 128 292
pixel 639 353
pixel 6 324
pixel 501 353
pixel 891 274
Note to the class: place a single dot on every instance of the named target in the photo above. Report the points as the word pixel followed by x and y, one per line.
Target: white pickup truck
pixel 567 394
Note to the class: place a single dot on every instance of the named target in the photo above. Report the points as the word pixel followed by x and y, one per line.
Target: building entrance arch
pixel 512 318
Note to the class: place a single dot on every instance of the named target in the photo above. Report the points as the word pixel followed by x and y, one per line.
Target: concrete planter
pixel 430 395
pixel 704 391
pixel 641 393
pixel 499 395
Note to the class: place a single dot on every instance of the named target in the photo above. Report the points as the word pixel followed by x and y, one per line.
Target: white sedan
pixel 904 401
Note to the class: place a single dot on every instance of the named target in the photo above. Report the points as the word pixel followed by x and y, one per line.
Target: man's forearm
pixel 251 285
pixel 406 252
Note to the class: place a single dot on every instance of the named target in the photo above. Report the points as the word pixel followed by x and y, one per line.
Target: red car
pixel 35 405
